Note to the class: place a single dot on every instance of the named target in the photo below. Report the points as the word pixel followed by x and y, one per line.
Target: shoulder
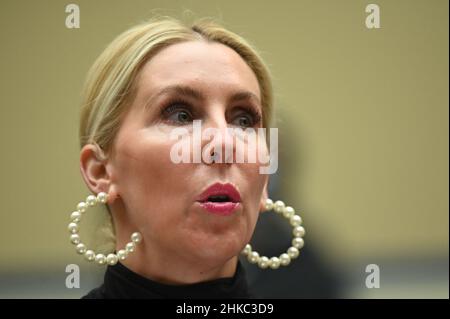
pixel 96 293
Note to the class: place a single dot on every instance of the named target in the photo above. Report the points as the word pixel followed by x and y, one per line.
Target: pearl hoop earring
pixel 90 255
pixel 297 243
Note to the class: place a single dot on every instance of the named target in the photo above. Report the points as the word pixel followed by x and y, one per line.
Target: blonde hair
pixel 111 85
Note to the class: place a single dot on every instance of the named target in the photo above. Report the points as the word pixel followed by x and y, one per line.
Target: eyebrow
pixel 188 91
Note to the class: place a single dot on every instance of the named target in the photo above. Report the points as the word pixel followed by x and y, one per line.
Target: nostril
pixel 213 156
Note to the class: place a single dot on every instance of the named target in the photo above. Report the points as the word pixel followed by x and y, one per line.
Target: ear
pixel 95 172
pixel 264 197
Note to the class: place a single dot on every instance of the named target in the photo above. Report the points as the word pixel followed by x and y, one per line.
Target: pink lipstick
pixel 222 199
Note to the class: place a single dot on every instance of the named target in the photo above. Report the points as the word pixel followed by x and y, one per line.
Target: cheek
pixel 255 183
pixel 149 180
pixel 253 171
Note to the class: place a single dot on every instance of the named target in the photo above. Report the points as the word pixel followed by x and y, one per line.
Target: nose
pixel 218 145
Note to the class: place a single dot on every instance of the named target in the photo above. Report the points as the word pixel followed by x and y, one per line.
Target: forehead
pixel 208 65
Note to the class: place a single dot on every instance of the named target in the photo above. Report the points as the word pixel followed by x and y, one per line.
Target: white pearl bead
pixel 247 249
pixel 112 259
pixel 285 259
pixel 298 242
pixel 298 231
pixel 73 228
pixel 288 212
pixel 253 257
pixel 263 262
pixel 269 204
pixel 278 206
pixel 136 237
pixel 274 263
pixel 130 247
pixel 296 221
pixel 81 248
pixel 89 255
pixel 122 254
pixel 91 200
pixel 75 239
pixel 293 252
pixel 75 216
pixel 102 197
pixel 81 207
pixel 100 259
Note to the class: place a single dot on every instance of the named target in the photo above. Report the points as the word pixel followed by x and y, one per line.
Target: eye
pixel 243 121
pixel 178 113
pixel 247 117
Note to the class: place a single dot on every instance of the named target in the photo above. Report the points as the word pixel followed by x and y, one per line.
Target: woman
pixel 188 221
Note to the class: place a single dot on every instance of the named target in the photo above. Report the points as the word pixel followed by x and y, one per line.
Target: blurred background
pixel 363 123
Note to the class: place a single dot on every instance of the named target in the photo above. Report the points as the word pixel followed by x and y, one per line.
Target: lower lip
pixel 224 209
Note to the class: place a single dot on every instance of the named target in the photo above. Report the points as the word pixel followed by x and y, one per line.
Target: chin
pixel 217 251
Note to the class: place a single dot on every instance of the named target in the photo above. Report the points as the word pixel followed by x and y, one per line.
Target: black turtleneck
pixel 122 283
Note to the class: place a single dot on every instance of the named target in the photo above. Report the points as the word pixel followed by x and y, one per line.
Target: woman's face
pixel 188 81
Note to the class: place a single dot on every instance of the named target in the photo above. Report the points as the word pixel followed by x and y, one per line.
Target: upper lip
pixel 219 189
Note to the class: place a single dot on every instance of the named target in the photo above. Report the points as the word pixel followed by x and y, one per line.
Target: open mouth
pixel 222 199
pixel 220 193
pixel 219 199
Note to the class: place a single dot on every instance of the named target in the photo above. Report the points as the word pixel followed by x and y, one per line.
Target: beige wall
pixel 363 115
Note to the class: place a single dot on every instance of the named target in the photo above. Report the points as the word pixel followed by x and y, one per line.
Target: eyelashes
pixel 181 112
pixel 255 114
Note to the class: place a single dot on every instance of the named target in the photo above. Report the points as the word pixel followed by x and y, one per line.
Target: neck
pixel 168 268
